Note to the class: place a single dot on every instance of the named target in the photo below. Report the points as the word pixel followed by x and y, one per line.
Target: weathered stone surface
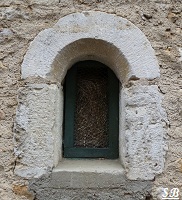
pixel 2 66
pixel 22 190
pixel 133 54
pixel 37 130
pixel 55 50
pixel 2 114
pixel 65 43
pixel 180 51
pixel 44 2
pixel 167 44
pixel 96 186
pixel 11 13
pixel 145 130
pixel 5 33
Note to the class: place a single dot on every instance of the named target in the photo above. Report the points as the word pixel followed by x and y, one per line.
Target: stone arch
pixel 120 45
pixel 89 49
pixel 128 47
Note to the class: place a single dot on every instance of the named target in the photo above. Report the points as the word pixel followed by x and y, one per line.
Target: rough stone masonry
pixel 160 21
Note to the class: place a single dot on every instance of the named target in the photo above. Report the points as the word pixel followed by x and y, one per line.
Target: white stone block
pixel 144 132
pixel 38 125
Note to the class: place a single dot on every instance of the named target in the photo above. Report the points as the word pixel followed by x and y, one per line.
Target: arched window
pixel 39 116
pixel 91 124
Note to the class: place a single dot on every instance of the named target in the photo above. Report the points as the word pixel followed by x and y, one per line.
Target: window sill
pixel 71 173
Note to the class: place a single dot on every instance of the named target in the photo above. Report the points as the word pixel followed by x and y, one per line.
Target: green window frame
pixel 69 150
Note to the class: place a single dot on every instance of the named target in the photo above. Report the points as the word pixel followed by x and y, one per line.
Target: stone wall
pixel 21 21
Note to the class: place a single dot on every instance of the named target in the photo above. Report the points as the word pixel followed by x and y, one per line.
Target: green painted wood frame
pixel 69 150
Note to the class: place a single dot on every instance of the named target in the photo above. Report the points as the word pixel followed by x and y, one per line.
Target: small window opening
pixel 91 114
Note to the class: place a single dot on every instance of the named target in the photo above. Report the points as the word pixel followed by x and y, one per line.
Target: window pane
pixel 91 113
